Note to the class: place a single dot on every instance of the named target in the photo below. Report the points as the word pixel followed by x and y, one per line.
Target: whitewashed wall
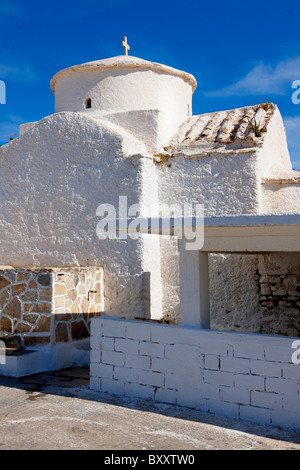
pixel 128 84
pixel 244 376
pixel 52 180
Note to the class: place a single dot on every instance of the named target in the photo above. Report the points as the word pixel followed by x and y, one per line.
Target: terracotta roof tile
pixel 223 129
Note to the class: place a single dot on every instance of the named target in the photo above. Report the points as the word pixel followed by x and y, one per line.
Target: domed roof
pixel 122 61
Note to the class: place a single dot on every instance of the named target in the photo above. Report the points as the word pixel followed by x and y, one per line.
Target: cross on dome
pixel 125 45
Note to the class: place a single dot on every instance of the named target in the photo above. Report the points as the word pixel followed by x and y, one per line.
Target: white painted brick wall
pixel 239 375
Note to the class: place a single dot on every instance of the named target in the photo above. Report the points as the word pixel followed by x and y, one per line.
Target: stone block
pixel 265 368
pixel 24 276
pixel 151 349
pixel 255 414
pixel 4 282
pixel 165 395
pixel 137 361
pixel 235 365
pixel 6 324
pixel 30 296
pixel 18 289
pixel 61 332
pixel 44 279
pixel 43 324
pixel 107 344
pixel 163 365
pixel 223 408
pixel 13 308
pixel 139 391
pixel 278 353
pixel 218 377
pixel 126 374
pixel 113 358
pixel 60 289
pixel 266 400
pixel 22 327
pixel 101 370
pixel 282 385
pixel 128 346
pixel 211 362
pixel 30 318
pixel 4 297
pixel 249 350
pixel 45 294
pixel 235 395
pixel 291 371
pixel 42 308
pixel 139 331
pixel 249 382
pixel 285 418
pixel 114 328
pixel 115 387
pixel 156 379
pixel 95 384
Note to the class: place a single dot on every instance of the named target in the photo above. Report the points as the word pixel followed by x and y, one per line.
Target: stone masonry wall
pixel 279 293
pixel 49 306
pixel 239 375
pixel 78 297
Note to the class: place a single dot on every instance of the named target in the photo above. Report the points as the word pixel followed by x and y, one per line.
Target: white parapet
pixel 239 375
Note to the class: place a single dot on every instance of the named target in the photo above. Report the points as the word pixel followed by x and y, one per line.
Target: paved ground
pixel 58 411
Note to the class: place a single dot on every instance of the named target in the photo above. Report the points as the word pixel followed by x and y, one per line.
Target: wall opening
pixel 258 293
pixel 88 103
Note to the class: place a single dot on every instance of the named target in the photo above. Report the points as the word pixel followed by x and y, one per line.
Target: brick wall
pixel 238 375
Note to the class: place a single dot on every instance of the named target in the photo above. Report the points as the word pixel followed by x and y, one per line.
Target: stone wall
pixel 279 293
pixel 256 293
pixel 239 375
pixel 49 306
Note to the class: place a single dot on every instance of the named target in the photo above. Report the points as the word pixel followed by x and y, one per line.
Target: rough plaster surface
pixel 233 292
pixel 127 85
pixel 207 181
pixel 52 180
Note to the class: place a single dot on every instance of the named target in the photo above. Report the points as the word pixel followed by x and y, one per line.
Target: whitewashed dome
pixel 122 84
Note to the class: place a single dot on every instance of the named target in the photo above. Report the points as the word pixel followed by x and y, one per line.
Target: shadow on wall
pixel 255 293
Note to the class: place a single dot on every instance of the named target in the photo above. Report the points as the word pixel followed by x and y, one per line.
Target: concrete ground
pixel 57 410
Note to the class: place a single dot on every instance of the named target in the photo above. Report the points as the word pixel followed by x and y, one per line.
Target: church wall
pixel 280 198
pixel 119 90
pixel 224 189
pixel 238 283
pixel 53 178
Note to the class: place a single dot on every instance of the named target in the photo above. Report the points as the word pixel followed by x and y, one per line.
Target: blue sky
pixel 240 53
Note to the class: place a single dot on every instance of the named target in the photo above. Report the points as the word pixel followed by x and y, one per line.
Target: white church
pixel 124 126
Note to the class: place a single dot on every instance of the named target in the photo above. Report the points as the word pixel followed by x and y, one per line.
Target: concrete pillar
pixel 194 287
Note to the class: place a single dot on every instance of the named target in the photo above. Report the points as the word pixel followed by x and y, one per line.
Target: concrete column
pixel 194 287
